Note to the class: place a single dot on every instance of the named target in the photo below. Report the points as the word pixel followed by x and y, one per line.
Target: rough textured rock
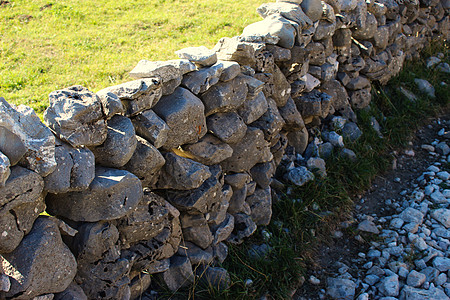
pixel 166 71
pixel 25 140
pixel 180 273
pixel 74 172
pixel 201 56
pixel 201 80
pixel 209 150
pixel 183 112
pixel 75 114
pixel 261 206
pixel 274 29
pixel 181 173
pixel 340 288
pixel 72 292
pixel 312 8
pixel 21 202
pixel 137 95
pixel 231 69
pixel 289 11
pixel 196 230
pixel 41 264
pixel 228 127
pixel 201 199
pixel 145 163
pixel 4 169
pixel 151 127
pixel 243 227
pixel 225 96
pixel 271 122
pixel 251 150
pixel 111 195
pixel 119 145
pixel 111 104
pixel 253 108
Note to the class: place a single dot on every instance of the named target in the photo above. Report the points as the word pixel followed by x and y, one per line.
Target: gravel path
pixel 396 245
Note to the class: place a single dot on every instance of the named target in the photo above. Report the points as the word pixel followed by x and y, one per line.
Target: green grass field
pixel 48 45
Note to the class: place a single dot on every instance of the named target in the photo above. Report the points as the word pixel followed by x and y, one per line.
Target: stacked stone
pixel 187 151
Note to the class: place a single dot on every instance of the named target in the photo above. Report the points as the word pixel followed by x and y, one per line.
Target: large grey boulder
pixel 209 150
pixel 74 172
pixel 41 264
pixel 184 113
pixel 201 56
pixel 151 127
pixel 251 150
pixel 21 202
pixel 111 195
pixel 25 140
pixel 228 127
pixel 145 163
pixel 137 95
pixel 75 115
pixel 169 74
pixel 181 173
pixel 290 11
pixel 225 96
pixel 201 80
pixel 274 29
pixel 4 169
pixel 253 108
pixel 119 145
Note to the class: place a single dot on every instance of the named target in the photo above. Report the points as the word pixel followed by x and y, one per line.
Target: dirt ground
pixel 405 169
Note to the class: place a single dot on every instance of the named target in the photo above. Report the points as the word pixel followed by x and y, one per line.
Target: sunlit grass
pixel 49 45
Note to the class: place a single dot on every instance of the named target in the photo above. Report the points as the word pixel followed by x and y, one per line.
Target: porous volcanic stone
pixel 75 114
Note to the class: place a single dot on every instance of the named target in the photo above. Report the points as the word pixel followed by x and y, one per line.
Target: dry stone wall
pixel 159 174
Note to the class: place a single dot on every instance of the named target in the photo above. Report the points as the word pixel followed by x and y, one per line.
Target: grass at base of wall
pixel 312 211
